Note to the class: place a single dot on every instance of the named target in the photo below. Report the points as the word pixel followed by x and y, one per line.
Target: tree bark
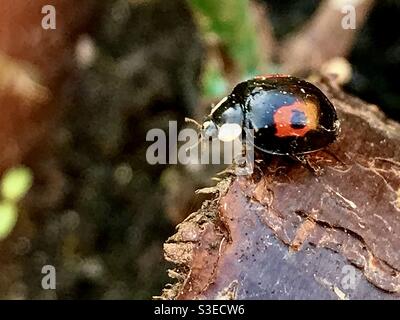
pixel 286 233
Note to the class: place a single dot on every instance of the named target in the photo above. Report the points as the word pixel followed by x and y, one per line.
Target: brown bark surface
pixel 285 232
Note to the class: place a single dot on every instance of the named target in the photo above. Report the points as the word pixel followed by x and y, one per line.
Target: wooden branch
pixel 286 233
pixel 323 37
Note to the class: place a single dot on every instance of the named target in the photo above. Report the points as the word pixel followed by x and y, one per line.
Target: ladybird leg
pixel 304 160
pixel 228 171
pixel 244 164
pixel 335 157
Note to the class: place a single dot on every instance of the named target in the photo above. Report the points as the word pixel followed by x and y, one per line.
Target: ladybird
pixel 289 116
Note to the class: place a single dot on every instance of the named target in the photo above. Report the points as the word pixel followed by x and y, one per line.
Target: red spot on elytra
pixel 283 119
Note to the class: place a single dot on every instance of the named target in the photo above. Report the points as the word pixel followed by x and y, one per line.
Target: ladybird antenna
pixel 190 120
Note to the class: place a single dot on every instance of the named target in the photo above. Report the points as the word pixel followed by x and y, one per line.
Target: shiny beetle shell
pixel 289 116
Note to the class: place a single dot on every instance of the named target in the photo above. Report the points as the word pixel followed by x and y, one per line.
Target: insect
pixel 289 116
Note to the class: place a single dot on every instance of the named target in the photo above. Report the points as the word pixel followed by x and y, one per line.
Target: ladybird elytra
pixel 296 119
pixel 289 116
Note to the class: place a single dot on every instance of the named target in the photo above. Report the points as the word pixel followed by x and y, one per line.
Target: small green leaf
pixel 8 218
pixel 15 183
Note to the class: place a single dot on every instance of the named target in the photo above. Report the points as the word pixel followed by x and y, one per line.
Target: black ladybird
pixel 289 116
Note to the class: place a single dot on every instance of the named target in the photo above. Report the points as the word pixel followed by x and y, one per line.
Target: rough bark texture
pixel 285 232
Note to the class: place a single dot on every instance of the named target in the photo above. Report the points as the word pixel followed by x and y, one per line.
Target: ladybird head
pixel 226 133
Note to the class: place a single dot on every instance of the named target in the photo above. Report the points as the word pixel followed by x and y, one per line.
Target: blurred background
pixel 77 101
